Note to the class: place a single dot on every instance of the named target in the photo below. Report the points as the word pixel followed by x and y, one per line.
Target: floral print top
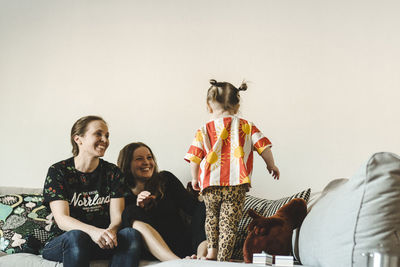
pixel 88 194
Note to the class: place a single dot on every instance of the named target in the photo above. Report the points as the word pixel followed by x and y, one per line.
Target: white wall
pixel 324 80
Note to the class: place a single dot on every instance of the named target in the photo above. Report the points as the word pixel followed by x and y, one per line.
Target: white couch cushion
pixel 203 263
pixel 355 216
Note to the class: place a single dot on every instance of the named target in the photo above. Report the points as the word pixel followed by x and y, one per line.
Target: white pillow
pixel 355 216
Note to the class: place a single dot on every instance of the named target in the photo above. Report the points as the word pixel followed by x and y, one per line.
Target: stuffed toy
pixel 274 234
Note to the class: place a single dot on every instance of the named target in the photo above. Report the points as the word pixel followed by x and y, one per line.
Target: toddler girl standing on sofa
pixel 221 162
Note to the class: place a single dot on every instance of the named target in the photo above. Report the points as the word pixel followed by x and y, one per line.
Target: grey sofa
pixel 25 208
pixel 356 216
pixel 346 219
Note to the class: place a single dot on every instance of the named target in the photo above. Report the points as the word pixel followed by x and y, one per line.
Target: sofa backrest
pixel 4 190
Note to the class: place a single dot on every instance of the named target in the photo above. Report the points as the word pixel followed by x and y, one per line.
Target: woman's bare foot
pixel 193 257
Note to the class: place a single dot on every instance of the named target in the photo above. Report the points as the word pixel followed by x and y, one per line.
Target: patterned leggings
pixel 224 207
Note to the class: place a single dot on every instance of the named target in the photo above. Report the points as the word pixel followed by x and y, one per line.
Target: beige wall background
pixel 324 80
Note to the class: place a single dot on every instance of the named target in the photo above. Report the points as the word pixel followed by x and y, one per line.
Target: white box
pixel 264 258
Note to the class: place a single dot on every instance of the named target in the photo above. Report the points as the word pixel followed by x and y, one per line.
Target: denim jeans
pixel 75 248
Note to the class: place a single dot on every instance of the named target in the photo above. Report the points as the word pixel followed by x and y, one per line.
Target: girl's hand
pixel 104 238
pixel 195 185
pixel 274 171
pixel 142 195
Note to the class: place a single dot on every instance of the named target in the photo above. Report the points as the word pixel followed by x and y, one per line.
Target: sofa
pixel 22 214
pixel 348 218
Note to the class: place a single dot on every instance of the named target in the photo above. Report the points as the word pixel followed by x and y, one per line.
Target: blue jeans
pixel 75 248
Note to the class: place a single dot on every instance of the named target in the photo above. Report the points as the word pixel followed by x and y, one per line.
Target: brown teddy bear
pixel 274 234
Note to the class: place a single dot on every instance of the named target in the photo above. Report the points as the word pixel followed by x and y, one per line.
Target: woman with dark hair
pixel 86 196
pixel 154 204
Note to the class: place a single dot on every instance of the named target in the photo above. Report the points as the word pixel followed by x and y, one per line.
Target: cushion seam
pixel 359 210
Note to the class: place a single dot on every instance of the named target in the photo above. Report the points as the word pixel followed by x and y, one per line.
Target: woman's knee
pixel 130 237
pixel 75 247
pixel 77 238
pixel 140 226
pixel 130 233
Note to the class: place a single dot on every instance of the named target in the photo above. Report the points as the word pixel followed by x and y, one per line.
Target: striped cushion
pixel 263 207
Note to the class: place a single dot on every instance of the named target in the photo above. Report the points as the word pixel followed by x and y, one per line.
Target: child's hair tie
pixel 213 82
pixel 242 87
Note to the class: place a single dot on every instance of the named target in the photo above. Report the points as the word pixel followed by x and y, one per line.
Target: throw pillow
pixel 273 234
pixel 24 223
pixel 263 207
pixel 355 216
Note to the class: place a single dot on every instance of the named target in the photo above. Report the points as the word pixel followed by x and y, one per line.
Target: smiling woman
pixel 143 163
pixel 85 195
pixel 154 205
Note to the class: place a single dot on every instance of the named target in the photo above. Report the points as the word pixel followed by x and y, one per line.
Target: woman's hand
pixel 104 238
pixel 141 196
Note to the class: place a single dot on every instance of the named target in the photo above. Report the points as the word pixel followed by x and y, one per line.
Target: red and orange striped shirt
pixel 224 149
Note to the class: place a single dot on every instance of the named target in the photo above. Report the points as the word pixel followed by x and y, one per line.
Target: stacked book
pixel 264 258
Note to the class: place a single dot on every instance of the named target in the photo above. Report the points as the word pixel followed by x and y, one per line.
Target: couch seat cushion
pixel 30 260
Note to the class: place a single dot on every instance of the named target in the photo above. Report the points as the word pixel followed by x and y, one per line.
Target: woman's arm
pixel 60 210
pixel 183 199
pixel 117 206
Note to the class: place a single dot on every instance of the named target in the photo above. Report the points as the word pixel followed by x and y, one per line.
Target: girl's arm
pixel 60 210
pixel 194 171
pixel 269 160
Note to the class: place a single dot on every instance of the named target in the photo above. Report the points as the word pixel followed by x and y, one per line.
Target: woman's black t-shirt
pixel 88 194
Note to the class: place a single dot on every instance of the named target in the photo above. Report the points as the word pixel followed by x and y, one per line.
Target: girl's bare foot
pixel 206 259
pixel 211 254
